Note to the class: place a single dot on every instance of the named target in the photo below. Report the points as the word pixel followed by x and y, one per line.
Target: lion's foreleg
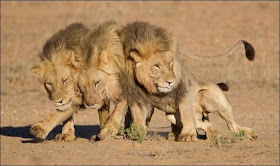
pixel 68 131
pixel 103 116
pixel 188 132
pixel 113 123
pixel 138 114
pixel 42 129
pixel 149 114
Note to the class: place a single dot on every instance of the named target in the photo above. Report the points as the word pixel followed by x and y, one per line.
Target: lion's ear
pixel 103 57
pixel 135 56
pixel 72 60
pixel 69 58
pixel 105 65
pixel 38 69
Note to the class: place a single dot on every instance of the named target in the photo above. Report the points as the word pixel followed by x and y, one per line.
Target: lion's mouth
pixel 63 107
pixel 95 106
pixel 165 89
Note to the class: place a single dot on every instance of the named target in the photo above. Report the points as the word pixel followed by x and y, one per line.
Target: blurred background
pixel 207 28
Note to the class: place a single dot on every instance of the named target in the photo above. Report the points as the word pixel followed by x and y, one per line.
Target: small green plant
pixel 241 135
pixel 122 132
pixel 218 141
pixel 134 132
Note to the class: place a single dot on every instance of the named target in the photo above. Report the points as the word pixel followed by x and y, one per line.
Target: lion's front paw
pixel 110 129
pixel 65 137
pixel 253 135
pixel 187 137
pixel 250 133
pixel 107 132
pixel 38 131
pixel 94 138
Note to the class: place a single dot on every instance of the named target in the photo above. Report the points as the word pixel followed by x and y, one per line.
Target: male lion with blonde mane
pixel 156 78
pixel 58 71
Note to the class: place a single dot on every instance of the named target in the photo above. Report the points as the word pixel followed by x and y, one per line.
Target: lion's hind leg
pixel 237 129
pixel 205 125
pixel 214 101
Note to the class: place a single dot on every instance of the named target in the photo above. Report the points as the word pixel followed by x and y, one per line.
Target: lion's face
pixel 97 86
pixel 58 83
pixel 159 73
pixel 58 79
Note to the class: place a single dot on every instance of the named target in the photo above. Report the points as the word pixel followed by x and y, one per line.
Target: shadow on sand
pixel 81 131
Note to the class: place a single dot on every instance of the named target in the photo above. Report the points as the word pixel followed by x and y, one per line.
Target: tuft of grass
pixel 218 141
pixel 122 132
pixel 241 135
pixel 135 132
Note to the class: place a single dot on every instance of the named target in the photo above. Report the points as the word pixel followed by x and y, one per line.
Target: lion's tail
pixel 250 52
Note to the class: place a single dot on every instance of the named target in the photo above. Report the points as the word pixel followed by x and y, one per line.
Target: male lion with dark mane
pixel 156 78
pixel 58 71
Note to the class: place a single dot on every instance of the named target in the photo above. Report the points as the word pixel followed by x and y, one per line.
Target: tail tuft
pixel 250 51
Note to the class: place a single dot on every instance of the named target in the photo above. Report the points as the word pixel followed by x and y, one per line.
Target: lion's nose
pixel 170 81
pixel 88 103
pixel 59 101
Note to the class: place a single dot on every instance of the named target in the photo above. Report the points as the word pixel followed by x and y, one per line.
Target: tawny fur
pixel 99 81
pixel 152 64
pixel 58 71
pixel 154 75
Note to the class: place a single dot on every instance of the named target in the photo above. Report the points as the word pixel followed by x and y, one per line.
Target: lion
pixel 99 81
pixel 209 99
pixel 156 78
pixel 58 71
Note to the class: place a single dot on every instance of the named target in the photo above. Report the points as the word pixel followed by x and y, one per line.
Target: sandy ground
pixel 202 27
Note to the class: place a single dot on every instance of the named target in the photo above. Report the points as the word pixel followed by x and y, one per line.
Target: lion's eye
pixel 48 85
pixel 171 63
pixel 64 81
pixel 96 83
pixel 156 66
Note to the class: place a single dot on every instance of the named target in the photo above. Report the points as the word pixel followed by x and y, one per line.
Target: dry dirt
pixel 202 27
